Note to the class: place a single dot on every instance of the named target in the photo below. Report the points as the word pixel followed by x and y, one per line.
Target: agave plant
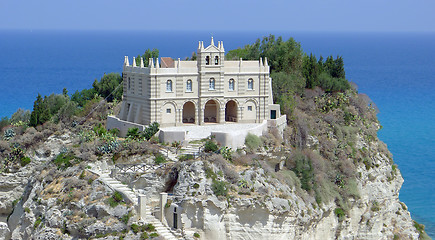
pixel 9 133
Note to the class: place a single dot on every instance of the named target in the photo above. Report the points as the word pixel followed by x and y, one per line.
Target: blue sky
pixel 239 15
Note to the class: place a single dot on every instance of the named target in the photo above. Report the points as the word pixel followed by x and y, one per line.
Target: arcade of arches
pixel 211 112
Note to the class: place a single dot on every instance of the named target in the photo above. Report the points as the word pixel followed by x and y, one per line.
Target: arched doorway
pixel 211 112
pixel 189 112
pixel 231 111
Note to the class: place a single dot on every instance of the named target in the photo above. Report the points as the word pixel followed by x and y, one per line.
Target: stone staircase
pixel 191 148
pixel 169 154
pixel 132 197
pixel 116 185
pixel 162 230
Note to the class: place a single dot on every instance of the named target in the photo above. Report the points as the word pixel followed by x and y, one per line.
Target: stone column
pixel 142 207
pixel 163 201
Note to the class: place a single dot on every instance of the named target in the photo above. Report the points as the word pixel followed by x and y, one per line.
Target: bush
pixel 133 133
pixel 117 196
pixel 210 146
pixel 159 159
pixel 135 228
pixel 37 222
pixel 64 160
pixel 24 161
pixel 219 188
pixel 126 217
pixel 151 130
pixel 252 142
pixel 185 157
pixel 339 212
pixel 150 228
pixel 196 235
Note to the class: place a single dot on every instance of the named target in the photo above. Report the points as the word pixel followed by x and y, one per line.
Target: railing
pixel 123 168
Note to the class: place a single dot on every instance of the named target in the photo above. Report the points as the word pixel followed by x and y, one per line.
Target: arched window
pixel 216 60
pixel 189 86
pixel 207 60
pixel 169 86
pixel 250 84
pixel 231 85
pixel 212 84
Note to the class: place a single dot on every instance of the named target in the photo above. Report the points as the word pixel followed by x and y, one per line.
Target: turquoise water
pixel 397 70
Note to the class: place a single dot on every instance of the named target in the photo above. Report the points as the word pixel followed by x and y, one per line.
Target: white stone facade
pixel 207 90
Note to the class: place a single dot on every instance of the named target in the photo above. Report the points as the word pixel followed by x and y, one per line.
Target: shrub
pixel 133 133
pixel 37 222
pixel 135 228
pixel 150 228
pixel 159 159
pixel 24 161
pixel 64 160
pixel 252 142
pixel 185 157
pixel 115 199
pixel 196 235
pixel 339 212
pixel 210 146
pixel 219 188
pixel 117 196
pixel 151 130
pixel 126 217
pixel 227 153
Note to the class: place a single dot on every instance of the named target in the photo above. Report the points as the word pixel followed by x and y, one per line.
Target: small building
pixel 207 90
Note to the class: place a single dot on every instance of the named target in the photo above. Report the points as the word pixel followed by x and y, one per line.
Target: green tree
pixel 154 53
pixel 107 84
pixel 40 113
pixel 83 96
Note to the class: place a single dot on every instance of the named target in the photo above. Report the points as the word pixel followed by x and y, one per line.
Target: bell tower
pixel 211 57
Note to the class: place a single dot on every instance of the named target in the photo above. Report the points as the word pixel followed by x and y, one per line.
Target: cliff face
pixel 326 177
pixel 277 211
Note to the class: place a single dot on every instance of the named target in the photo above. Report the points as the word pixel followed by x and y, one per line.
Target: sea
pixel 396 70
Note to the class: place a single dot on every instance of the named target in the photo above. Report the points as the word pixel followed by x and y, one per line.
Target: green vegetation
pixel 37 222
pixel 252 142
pixel 292 70
pixel 196 235
pixel 115 199
pixel 219 188
pixel 149 53
pixel 420 228
pixel 210 146
pixel 340 214
pixel 64 160
pixel 159 159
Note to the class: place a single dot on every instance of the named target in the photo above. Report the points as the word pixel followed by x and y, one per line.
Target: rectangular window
pixel 249 108
pixel 168 110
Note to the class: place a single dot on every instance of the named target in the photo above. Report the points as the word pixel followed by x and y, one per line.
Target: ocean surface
pixel 396 70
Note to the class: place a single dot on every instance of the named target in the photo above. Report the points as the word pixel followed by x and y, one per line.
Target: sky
pixel 236 15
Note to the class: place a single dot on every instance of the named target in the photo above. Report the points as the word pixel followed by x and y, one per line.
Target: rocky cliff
pixel 326 177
